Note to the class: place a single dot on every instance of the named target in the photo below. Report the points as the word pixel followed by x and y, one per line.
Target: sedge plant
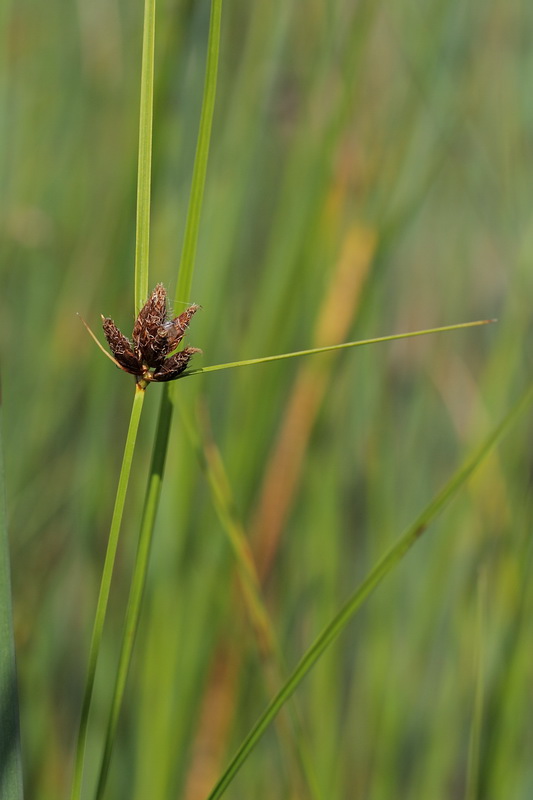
pixel 220 492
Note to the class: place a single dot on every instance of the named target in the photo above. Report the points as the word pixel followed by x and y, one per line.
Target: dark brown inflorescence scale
pixel 155 337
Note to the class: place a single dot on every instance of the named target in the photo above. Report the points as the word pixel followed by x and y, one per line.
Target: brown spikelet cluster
pixel 155 336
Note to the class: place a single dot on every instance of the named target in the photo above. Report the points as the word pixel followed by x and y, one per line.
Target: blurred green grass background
pixel 370 173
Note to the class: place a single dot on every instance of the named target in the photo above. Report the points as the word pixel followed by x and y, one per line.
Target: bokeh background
pixel 371 172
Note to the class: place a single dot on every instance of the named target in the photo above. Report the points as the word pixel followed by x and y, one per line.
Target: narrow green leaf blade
pixel 382 568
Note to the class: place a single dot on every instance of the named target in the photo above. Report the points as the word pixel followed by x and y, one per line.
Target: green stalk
pixel 142 243
pixel 137 586
pixel 159 453
pixel 380 571
pixel 142 253
pixel 10 751
pixel 344 346
pixel 105 585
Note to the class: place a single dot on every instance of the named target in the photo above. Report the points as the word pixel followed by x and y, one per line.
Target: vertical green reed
pixel 157 465
pixel 142 252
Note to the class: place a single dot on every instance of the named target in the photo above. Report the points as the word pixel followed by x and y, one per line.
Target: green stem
pixel 165 410
pixel 137 586
pixel 105 584
pixel 142 242
pixel 382 568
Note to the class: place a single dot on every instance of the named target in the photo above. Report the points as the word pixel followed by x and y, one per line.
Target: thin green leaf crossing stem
pixel 105 585
pixel 330 348
pixel 10 752
pixel 379 572
pixel 142 241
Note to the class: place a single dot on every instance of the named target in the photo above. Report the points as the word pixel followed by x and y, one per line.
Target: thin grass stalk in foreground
pixel 380 571
pixel 142 242
pixel 105 585
pixel 10 751
pixel 330 348
pixel 159 452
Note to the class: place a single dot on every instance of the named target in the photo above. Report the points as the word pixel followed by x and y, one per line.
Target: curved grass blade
pixel 159 452
pixel 10 752
pixel 390 560
pixel 105 585
pixel 142 240
pixel 344 346
pixel 291 729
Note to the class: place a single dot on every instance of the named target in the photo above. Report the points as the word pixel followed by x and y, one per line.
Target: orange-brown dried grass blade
pixel 337 314
pixel 281 478
pixel 214 721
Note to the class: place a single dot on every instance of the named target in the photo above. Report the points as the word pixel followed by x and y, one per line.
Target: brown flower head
pixel 155 337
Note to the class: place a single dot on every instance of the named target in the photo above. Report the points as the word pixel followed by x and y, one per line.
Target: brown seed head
pixel 145 331
pixel 175 329
pixel 121 348
pixel 175 365
pixel 154 338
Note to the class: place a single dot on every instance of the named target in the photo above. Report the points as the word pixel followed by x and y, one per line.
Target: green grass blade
pixel 105 585
pixel 142 242
pixel 165 411
pixel 192 224
pixel 382 568
pixel 10 752
pixel 315 350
